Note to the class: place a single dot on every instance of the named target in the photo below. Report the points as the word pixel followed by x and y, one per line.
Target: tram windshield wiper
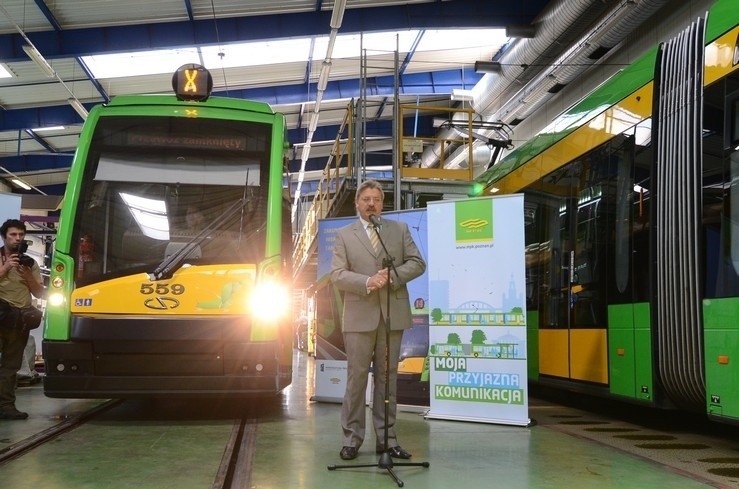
pixel 173 262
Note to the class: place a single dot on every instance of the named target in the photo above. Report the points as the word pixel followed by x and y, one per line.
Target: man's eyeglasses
pixel 368 200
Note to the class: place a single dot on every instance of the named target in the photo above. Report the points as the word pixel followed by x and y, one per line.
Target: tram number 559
pixel 162 289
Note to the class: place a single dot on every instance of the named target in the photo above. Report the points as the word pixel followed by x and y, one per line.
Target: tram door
pixel 572 327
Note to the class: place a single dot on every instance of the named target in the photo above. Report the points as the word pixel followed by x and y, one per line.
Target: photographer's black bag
pixel 12 317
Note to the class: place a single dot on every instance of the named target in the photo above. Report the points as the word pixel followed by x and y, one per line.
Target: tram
pixel 171 273
pixel 632 242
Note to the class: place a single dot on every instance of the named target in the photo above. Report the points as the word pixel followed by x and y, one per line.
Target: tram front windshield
pixel 158 186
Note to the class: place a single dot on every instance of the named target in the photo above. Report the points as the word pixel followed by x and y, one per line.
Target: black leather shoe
pixel 395 452
pixel 348 453
pixel 12 413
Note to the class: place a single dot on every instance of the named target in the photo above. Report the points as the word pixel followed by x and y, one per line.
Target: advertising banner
pixel 477 310
pixel 331 378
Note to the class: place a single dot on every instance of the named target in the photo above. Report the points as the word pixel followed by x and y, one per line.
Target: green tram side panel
pixel 151 100
pixel 722 18
pixel 643 347
pixel 640 72
pixel 532 344
pixel 609 93
pixel 630 351
pixel 721 356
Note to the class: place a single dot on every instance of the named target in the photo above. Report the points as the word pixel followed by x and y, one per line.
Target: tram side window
pixel 534 254
pixel 547 238
pixel 590 218
pixel 592 215
pixel 721 189
pixel 639 225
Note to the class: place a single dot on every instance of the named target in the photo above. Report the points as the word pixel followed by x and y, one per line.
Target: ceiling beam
pixel 428 83
pixel 431 15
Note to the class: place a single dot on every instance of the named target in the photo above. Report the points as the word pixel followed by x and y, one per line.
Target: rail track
pixel 138 427
pixel 26 445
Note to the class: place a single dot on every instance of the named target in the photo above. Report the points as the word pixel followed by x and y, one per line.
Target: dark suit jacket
pixel 354 261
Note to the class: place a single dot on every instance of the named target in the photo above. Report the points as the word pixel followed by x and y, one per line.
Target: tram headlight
pixel 56 299
pixel 269 301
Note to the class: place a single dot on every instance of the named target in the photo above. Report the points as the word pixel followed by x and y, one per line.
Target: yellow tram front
pixel 170 272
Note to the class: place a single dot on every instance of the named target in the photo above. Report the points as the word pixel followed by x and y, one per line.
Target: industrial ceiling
pixel 65 31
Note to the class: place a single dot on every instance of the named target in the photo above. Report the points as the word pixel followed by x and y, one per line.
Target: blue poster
pixel 327 306
pixel 416 221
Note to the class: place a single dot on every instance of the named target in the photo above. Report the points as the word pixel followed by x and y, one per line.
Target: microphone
pixel 375 221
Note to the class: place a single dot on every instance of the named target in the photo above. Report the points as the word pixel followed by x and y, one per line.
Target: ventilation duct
pixel 450 132
pixel 620 19
pixel 459 159
pixel 610 30
pixel 519 62
pixel 550 28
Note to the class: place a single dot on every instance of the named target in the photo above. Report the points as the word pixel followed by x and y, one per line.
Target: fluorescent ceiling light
pixel 338 13
pixel 306 152
pixel 36 57
pixel 20 183
pixel 48 128
pixel 323 77
pixel 313 122
pixel 78 107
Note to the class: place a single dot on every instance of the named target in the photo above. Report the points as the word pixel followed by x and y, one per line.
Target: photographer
pixel 20 277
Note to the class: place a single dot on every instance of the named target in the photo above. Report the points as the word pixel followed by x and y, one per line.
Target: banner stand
pixel 477 310
pixel 481 420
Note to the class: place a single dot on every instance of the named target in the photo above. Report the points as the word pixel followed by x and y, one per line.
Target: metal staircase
pixel 409 186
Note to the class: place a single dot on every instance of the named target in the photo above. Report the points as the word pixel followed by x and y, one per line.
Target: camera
pixel 24 259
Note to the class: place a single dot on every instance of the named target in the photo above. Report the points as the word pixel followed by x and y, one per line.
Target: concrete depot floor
pixel 296 441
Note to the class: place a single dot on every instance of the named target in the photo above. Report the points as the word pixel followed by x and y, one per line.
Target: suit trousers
pixel 13 343
pixel 363 348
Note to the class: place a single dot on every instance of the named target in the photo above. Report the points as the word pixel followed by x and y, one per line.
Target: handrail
pixel 411 144
pixel 338 170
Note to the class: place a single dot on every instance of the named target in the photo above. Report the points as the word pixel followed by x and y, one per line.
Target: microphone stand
pixel 385 461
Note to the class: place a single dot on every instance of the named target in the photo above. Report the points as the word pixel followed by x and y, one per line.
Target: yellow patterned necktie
pixel 374 239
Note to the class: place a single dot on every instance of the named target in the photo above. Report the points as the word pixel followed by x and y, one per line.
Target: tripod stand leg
pixel 355 466
pixel 395 477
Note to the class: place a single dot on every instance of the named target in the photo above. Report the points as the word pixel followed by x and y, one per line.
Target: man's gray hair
pixel 371 184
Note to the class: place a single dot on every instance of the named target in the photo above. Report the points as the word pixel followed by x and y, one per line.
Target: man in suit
pixel 357 269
